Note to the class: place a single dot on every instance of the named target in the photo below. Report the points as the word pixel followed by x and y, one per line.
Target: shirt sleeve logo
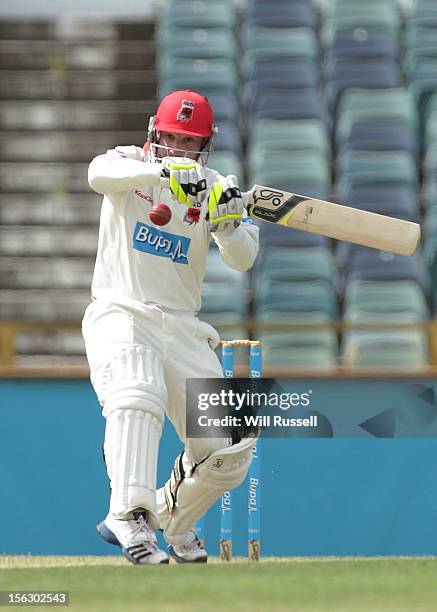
pixel 151 240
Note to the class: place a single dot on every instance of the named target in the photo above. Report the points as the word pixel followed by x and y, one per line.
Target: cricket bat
pixel 333 220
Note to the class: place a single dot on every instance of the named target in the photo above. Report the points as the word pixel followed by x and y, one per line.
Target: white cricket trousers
pixel 140 357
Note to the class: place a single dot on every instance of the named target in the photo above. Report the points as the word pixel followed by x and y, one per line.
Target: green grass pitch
pixel 346 584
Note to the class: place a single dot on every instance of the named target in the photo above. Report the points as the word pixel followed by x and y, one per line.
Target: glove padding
pixel 225 205
pixel 187 179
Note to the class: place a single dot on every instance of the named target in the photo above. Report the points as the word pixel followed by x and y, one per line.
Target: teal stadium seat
pixel 385 302
pixel 358 168
pixel 305 135
pixel 275 43
pixel 294 264
pixel 224 297
pixel 420 43
pixel 212 43
pixel 227 163
pixel 369 105
pixel 430 120
pixel 198 14
pixel 309 350
pixel 407 350
pixel 298 168
pixel 373 15
pixel 424 13
pixel 199 74
pixel 303 300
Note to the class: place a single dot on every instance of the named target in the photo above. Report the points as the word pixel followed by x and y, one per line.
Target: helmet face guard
pixel 158 149
pixel 182 112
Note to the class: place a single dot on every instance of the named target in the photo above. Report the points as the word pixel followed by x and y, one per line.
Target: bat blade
pixel 334 220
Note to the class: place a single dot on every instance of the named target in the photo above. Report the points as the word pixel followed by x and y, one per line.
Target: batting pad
pixel 134 410
pixel 191 491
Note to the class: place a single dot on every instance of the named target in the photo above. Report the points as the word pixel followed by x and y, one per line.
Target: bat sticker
pixel 269 194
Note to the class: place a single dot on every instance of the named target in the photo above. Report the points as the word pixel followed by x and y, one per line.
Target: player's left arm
pixel 233 231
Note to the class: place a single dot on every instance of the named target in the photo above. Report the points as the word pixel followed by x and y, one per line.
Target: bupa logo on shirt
pixel 163 244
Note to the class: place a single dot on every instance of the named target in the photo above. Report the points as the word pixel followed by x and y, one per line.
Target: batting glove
pixel 225 205
pixel 187 179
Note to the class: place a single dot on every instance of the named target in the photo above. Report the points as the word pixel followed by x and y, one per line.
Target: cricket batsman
pixel 161 206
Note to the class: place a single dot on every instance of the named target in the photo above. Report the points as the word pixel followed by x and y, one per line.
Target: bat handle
pixel 247 197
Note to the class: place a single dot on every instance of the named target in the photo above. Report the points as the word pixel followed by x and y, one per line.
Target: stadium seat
pixel 318 338
pixel 293 14
pixel 295 164
pixel 206 43
pixel 420 43
pixel 360 43
pixel 274 235
pixel 199 74
pixel 226 162
pixel 367 74
pixel 423 84
pixel 277 264
pixel 397 350
pixel 300 349
pixel 380 198
pixel 293 104
pixel 198 14
pixel 299 76
pixel 278 43
pixel 387 302
pixel 430 120
pixel 227 138
pixel 225 105
pixel 371 16
pixel 224 302
pixel 374 168
pixel 298 168
pixel 424 14
pixel 361 105
pixel 290 135
pixel 306 299
pixel 388 200
pixel 377 136
pixel 378 266
pixel 283 70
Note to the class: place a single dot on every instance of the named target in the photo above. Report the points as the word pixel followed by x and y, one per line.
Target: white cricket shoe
pixel 191 551
pixel 135 538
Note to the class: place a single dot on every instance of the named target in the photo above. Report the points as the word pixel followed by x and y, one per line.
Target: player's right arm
pixel 126 168
pixel 122 169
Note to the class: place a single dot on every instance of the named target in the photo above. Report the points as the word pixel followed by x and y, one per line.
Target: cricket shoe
pixel 191 551
pixel 135 538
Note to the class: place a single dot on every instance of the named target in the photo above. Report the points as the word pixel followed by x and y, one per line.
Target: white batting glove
pixel 187 179
pixel 225 205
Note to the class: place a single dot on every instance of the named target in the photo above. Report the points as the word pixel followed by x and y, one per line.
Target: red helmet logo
pixel 185 113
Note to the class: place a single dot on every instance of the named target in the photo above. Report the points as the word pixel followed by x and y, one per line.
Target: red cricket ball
pixel 160 214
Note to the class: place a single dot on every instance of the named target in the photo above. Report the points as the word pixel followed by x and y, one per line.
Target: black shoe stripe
pixel 136 547
pixel 138 557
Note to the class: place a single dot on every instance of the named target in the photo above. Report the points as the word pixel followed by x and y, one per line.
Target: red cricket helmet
pixel 185 112
pixel 182 112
